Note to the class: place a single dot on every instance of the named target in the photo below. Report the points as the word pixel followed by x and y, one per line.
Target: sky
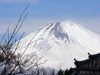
pixel 41 12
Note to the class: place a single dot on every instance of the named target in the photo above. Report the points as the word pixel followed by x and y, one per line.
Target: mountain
pixel 60 43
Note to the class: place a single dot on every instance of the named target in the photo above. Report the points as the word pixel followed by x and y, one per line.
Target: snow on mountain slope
pixel 60 43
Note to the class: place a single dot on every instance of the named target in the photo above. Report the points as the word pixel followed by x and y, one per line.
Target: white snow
pixel 60 43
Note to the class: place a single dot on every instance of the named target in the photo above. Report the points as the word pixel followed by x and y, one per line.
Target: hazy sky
pixel 41 12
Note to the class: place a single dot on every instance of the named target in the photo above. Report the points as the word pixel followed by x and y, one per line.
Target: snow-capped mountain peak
pixel 61 42
pixel 58 30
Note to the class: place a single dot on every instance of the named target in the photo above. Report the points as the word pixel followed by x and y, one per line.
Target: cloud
pixel 19 0
pixel 32 24
pixel 29 25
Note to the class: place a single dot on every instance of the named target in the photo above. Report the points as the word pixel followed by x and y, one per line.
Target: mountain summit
pixel 61 42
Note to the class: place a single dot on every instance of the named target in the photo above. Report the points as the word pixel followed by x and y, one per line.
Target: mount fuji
pixel 60 43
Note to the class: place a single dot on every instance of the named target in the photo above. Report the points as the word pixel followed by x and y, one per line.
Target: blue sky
pixel 41 12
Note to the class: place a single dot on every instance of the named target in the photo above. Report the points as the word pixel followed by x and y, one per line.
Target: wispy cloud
pixel 32 24
pixel 19 0
pixel 29 25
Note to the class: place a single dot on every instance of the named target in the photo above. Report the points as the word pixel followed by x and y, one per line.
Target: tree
pixel 60 72
pixel 12 63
